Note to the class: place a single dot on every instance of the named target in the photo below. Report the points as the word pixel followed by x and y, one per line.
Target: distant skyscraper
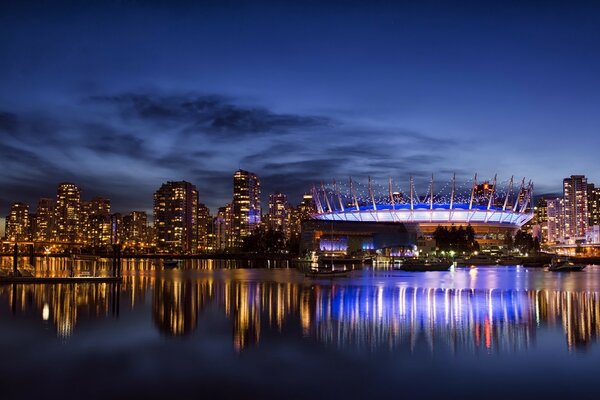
pixel 135 229
pixel 245 206
pixel 575 206
pixel 279 213
pixel 96 222
pixel 44 220
pixel 223 228
pixel 67 213
pixel 204 223
pixel 17 222
pixel 555 221
pixel 302 212
pixel 540 219
pixel 176 217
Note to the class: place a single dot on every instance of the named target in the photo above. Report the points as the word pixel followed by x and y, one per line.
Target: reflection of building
pixel 18 223
pixel 176 217
pixel 67 213
pixel 575 207
pixel 175 307
pixel 246 211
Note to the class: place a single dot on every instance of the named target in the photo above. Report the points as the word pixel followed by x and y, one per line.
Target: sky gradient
pixel 121 96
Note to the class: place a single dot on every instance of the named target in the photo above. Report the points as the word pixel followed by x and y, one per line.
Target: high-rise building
pixel 279 213
pixel 204 227
pixel 96 222
pixel 223 228
pixel 575 207
pixel 17 222
pixel 67 214
pixel 302 212
pixel 245 206
pixel 135 229
pixel 44 220
pixel 540 218
pixel 593 204
pixel 555 223
pixel 176 217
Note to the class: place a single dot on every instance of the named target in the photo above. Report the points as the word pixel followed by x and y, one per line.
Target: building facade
pixel 18 223
pixel 575 207
pixel 176 217
pixel 246 210
pixel 67 214
pixel 280 214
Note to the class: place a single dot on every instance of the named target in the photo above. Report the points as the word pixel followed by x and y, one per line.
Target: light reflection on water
pixel 466 310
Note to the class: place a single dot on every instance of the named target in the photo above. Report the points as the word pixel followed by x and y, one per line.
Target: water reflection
pixel 346 314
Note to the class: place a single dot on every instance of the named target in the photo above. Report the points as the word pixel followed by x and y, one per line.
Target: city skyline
pixel 388 89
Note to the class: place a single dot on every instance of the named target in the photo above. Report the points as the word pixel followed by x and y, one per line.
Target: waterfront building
pixel 223 227
pixel 176 217
pixel 492 212
pixel 96 222
pixel 555 220
pixel 593 204
pixel 575 207
pixel 304 211
pixel 279 216
pixel 17 222
pixel 135 229
pixel 540 218
pixel 205 222
pixel 44 220
pixel 246 210
pixel 67 214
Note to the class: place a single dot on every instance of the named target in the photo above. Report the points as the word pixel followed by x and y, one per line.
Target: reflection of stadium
pixel 491 208
pixel 360 316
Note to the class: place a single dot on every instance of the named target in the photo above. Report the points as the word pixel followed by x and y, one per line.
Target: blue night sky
pixel 121 96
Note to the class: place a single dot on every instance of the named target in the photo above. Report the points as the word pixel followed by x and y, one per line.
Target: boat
pixel 564 265
pixel 423 265
pixel 327 272
pixel 170 264
pixel 329 260
pixel 509 260
pixel 479 259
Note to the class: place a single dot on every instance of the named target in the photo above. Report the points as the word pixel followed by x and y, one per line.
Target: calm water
pixel 211 330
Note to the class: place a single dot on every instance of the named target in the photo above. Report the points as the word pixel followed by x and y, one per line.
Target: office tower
pixel 223 227
pixel 555 222
pixel 575 206
pixel 204 228
pixel 303 211
pixel 44 220
pixel 279 213
pixel 96 222
pixel 135 229
pixel 17 222
pixel 540 218
pixel 593 204
pixel 67 214
pixel 176 217
pixel 245 206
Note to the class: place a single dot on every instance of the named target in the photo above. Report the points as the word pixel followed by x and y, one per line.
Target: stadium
pixel 352 215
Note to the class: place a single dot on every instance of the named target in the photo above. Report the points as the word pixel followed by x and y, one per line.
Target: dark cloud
pixel 8 122
pixel 211 115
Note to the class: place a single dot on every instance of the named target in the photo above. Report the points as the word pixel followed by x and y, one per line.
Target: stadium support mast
pixel 371 194
pixel 391 193
pixel 326 197
pixel 519 195
pixel 492 193
pixel 317 198
pixel 353 192
pixel 431 194
pixel 510 185
pixel 473 191
pixel 339 195
pixel 453 190
pixel 412 190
